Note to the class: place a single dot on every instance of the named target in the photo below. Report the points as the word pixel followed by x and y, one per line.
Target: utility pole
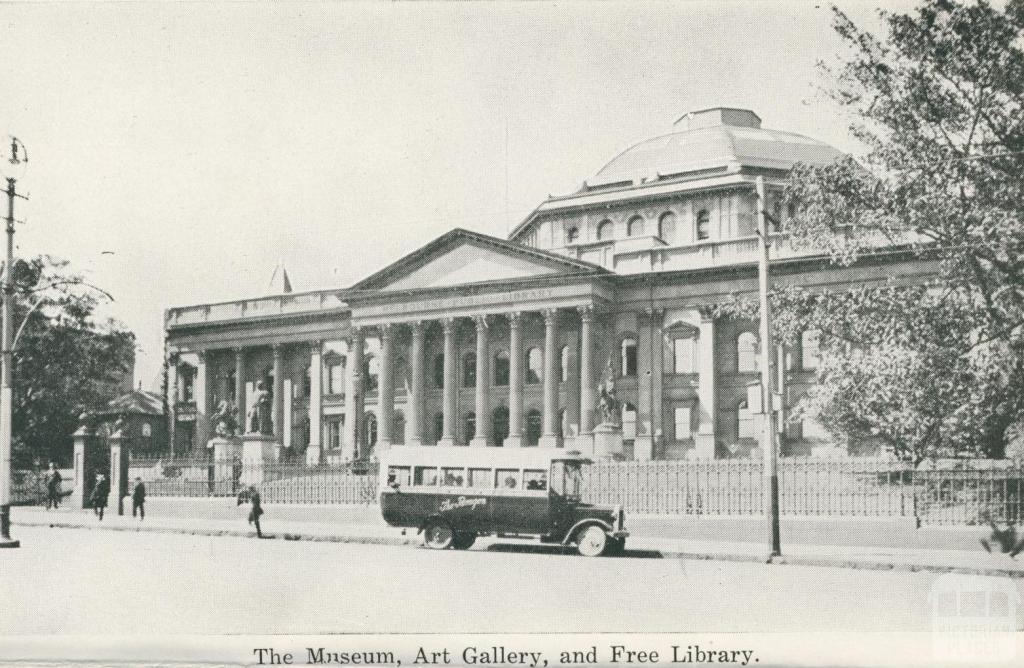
pixel 6 391
pixel 768 436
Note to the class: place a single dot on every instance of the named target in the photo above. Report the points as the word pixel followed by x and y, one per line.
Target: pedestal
pixel 584 444
pixel 704 446
pixel 225 452
pixel 548 441
pixel 607 441
pixel 313 454
pixel 257 450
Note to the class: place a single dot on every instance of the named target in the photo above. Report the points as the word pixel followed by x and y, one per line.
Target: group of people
pixel 101 492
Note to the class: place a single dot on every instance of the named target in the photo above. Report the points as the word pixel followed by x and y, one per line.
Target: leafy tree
pixel 938 100
pixel 65 362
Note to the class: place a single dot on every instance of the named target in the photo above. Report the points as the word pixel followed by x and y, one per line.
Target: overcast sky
pixel 179 151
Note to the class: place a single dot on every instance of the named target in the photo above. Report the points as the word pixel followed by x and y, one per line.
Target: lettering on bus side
pixel 461 502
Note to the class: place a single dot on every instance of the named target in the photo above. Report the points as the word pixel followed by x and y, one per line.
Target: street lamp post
pixel 768 438
pixel 6 370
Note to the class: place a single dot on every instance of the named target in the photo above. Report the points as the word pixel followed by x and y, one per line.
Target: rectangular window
pixel 335 380
pixel 453 477
pixel 506 478
pixel 682 423
pixel 535 479
pixel 425 476
pixel 398 475
pixel 481 478
pixel 809 349
pixel 682 355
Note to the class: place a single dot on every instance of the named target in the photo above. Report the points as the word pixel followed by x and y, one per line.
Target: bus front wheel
pixel 591 541
pixel 438 536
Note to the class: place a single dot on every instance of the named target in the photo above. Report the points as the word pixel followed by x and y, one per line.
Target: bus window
pixel 426 476
pixel 398 475
pixel 566 479
pixel 535 479
pixel 481 478
pixel 453 477
pixel 506 478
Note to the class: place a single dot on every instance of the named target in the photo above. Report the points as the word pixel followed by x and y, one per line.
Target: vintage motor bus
pixel 454 494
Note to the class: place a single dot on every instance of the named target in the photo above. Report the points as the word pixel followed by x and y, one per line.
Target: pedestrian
pixel 100 492
pixel 253 497
pixel 53 487
pixel 139 499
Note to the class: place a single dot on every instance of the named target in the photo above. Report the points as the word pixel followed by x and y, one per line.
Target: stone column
pixel 655 379
pixel 482 437
pixel 704 441
pixel 588 399
pixel 278 405
pixel 414 412
pixel 386 388
pixel 85 452
pixel 200 392
pixel 353 395
pixel 118 470
pixel 448 399
pixel 549 438
pixel 643 445
pixel 314 450
pixel 240 388
pixel 515 381
pixel 172 400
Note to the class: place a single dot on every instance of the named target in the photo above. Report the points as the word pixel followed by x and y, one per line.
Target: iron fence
pixel 964 493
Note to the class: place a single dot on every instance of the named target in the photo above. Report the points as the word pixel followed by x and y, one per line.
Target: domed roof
pixel 713 139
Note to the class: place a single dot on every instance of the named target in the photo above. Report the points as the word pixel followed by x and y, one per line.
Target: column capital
pixel 278 349
pixel 173 359
pixel 515 319
pixel 480 321
pixel 417 327
pixel 316 346
pixel 653 313
pixel 385 331
pixel 550 316
pixel 448 325
pixel 707 312
pixel 239 351
pixel 202 355
pixel 586 313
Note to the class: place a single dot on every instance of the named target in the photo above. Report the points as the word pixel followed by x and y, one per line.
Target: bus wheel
pixel 591 541
pixel 438 536
pixel 463 540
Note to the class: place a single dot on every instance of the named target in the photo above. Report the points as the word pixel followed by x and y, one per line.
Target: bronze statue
pixel 608 402
pixel 259 420
pixel 225 420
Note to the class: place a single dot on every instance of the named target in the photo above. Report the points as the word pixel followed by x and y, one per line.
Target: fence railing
pixel 969 492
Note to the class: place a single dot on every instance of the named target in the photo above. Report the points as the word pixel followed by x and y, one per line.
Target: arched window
pixel 469 427
pixel 809 353
pixel 398 428
pixel 501 369
pixel 438 427
pixel 534 366
pixel 628 422
pixel 371 373
pixel 572 234
pixel 635 227
pixel 667 227
pixel 703 225
pixel 369 434
pixel 604 230
pixel 439 370
pixel 746 422
pixel 469 370
pixel 628 354
pixel 499 425
pixel 563 365
pixel 533 426
pixel 746 352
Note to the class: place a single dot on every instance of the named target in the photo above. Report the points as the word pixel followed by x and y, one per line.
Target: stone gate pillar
pixel 85 451
pixel 118 468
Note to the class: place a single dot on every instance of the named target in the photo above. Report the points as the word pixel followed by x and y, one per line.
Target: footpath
pixel 651 537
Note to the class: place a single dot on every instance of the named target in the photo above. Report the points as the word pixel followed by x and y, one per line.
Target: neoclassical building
pixel 479 341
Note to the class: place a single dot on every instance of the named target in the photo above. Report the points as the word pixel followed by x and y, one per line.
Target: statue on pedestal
pixel 608 402
pixel 225 420
pixel 259 420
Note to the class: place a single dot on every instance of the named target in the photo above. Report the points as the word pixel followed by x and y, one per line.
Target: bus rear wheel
pixel 463 540
pixel 438 536
pixel 591 541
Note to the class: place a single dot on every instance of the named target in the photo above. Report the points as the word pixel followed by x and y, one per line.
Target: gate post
pixel 85 451
pixel 118 467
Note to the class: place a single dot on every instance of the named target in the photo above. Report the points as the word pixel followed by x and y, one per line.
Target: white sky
pixel 200 144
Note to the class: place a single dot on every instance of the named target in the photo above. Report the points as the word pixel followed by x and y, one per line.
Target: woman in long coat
pixel 100 492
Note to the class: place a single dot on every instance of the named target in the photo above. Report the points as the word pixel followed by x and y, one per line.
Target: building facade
pixel 479 341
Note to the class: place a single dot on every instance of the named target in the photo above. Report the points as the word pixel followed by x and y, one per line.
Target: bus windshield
pixel 567 478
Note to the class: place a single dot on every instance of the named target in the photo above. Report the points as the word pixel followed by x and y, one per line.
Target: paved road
pixel 78 581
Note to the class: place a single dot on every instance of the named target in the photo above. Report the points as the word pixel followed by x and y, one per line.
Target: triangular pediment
pixel 462 258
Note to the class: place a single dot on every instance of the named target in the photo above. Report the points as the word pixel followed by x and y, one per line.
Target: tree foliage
pixel 66 360
pixel 938 100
